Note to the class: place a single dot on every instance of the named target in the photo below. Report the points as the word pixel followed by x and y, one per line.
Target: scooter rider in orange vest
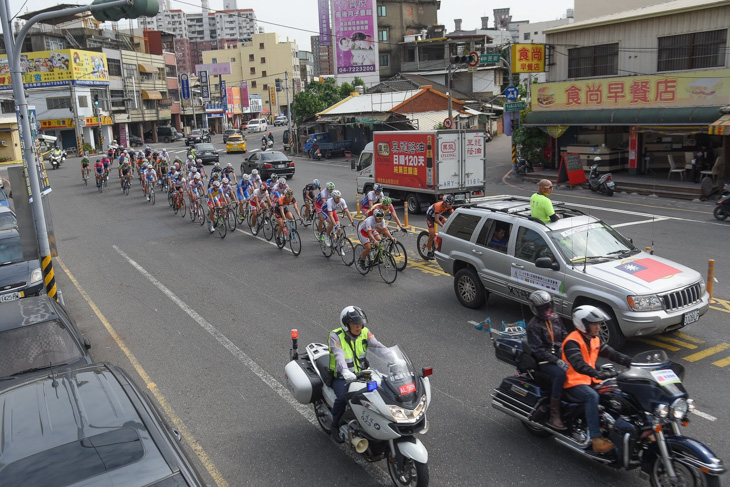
pixel 581 348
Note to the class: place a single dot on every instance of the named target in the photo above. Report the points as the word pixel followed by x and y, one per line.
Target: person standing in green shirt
pixel 540 205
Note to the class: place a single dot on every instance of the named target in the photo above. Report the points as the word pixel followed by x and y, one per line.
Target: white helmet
pixel 254 172
pixel 217 164
pixel 225 181
pixel 216 183
pixel 191 157
pixel 337 193
pixel 229 165
pixel 199 161
pixel 164 150
pixel 353 315
pixel 194 170
pixel 282 181
pixel 583 315
pixel 246 177
pixel 197 177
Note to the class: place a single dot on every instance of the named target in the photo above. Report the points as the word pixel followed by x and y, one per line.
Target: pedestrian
pixel 540 205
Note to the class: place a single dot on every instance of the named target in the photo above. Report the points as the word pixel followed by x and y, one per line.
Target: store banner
pixel 272 99
pixel 57 68
pixel 244 94
pixel 204 85
pixel 356 49
pixel 235 96
pixel 685 89
pixel 324 23
pixel 528 58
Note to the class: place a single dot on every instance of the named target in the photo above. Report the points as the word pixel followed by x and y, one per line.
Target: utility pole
pixel 288 111
pixel 77 122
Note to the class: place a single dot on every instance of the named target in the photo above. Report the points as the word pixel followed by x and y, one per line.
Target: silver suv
pixel 495 246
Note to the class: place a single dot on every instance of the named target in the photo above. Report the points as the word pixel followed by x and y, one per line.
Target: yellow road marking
pixel 722 363
pixel 676 342
pixel 684 336
pixel 725 305
pixel 671 348
pixel 197 448
pixel 707 352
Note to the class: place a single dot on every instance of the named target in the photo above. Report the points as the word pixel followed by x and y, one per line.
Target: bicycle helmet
pixel 448 199
pixel 177 165
pixel 216 184
pixel 387 201
pixel 282 181
pixel 246 177
pixel 379 214
pixel 190 156
pixel 197 177
pixel 199 161
pixel 315 183
pixel 215 175
pixel 274 178
pixel 194 170
pixel 377 188
pixel 330 186
pixel 353 315
pixel 263 187
pixel 225 181
pixel 254 172
pixel 583 315
pixel 289 193
pixel 229 165
pixel 217 164
pixel 540 302
pixel 336 194
pixel 164 150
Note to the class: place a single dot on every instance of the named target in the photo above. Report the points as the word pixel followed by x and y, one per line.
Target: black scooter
pixel 603 183
pixel 722 208
pixel 523 166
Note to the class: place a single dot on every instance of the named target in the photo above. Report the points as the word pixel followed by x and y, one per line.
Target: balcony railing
pixel 424 65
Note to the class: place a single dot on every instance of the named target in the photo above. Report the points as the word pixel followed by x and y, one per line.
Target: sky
pixel 298 18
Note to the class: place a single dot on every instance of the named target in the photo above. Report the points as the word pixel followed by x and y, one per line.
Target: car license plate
pixel 280 166
pixel 4 298
pixel 690 317
pixel 610 184
pixel 460 197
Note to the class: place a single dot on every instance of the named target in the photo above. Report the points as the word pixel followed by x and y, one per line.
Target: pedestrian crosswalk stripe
pixel 671 348
pixel 688 338
pixel 707 352
pixel 722 363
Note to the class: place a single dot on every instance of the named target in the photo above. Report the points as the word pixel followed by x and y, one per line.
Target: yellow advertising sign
pixel 272 99
pixel 685 89
pixel 59 123
pixel 58 68
pixel 94 121
pixel 528 58
pixel 236 91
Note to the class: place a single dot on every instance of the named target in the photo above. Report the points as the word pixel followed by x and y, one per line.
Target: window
pixel 250 57
pixel 384 60
pixel 171 71
pixel 149 104
pixel 692 51
pixel 130 71
pixel 584 62
pixel 215 60
pixel 115 67
pixel 381 11
pixel 462 225
pixel 117 98
pixel 263 74
pixel 263 60
pixel 383 35
pixel 530 246
pixel 266 87
pixel 55 44
pixel 175 95
pixel 526 36
pixel 233 60
pixel 7 106
pixel 253 84
pixel 83 101
pixel 495 235
pixel 261 45
pixel 56 103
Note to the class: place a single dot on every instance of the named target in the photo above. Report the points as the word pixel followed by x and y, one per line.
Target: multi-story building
pixel 323 58
pixel 534 33
pixel 189 53
pixel 204 26
pixel 306 67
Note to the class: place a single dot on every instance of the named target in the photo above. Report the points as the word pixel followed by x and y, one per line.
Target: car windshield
pixel 592 242
pixel 7 220
pixel 204 147
pixel 253 122
pixel 35 347
pixel 398 379
pixel 196 132
pixel 10 250
pixel 235 138
pixel 273 156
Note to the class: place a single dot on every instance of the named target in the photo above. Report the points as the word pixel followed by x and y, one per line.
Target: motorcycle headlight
pixel 679 408
pixel 650 302
pixel 691 405
pixel 661 411
pixel 36 276
pixel 402 414
pixel 398 413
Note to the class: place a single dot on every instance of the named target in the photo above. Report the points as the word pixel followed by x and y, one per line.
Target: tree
pixel 320 95
pixel 531 141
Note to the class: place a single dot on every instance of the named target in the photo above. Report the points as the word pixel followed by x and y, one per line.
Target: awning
pixel 151 95
pixel 721 126
pixel 147 68
pixel 644 116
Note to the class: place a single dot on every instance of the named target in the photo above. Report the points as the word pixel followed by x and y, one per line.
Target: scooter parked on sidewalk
pixel 722 206
pixel 603 183
pixel 523 166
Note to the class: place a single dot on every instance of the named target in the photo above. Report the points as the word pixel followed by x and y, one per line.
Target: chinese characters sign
pixel 324 22
pixel 58 68
pixel 354 36
pixel 61 123
pixel 400 158
pixel 695 88
pixel 528 58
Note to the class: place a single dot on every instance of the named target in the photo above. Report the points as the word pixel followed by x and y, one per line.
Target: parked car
pixel 197 136
pixel 135 141
pixel 166 134
pixel 8 219
pixel 3 196
pixel 88 425
pixel 230 132
pixel 207 152
pixel 35 333
pixel 578 259
pixel 236 143
pixel 268 163
pixel 280 120
pixel 19 278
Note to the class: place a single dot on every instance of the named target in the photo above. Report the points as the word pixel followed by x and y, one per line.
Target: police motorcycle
pixel 386 406
pixel 641 412
pixel 57 159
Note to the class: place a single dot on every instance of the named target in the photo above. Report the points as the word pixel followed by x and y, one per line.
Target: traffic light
pixel 462 59
pixel 278 84
pixel 96 100
pixel 133 10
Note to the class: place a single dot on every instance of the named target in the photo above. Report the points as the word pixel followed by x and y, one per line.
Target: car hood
pixel 644 273
pixel 16 274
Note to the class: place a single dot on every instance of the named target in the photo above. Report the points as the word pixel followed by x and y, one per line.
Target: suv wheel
pixel 469 289
pixel 166 140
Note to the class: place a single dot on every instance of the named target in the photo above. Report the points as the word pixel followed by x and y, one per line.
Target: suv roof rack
pixel 518 206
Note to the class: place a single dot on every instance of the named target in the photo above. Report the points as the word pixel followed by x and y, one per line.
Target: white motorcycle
pixel 57 159
pixel 385 411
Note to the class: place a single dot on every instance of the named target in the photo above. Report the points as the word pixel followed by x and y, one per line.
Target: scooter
pixel 523 166
pixel 386 406
pixel 603 183
pixel 722 208
pixel 641 411
pixel 266 144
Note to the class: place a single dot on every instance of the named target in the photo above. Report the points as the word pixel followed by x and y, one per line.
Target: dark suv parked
pixel 197 136
pixel 90 425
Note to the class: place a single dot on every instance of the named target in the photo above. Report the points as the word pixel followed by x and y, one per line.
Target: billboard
pixel 400 158
pixel 244 94
pixel 204 85
pixel 57 68
pixel 528 58
pixel 356 48
pixel 686 89
pixel 324 23
pixel 214 69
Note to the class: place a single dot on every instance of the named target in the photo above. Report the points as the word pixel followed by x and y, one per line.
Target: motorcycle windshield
pixel 399 381
pixel 652 378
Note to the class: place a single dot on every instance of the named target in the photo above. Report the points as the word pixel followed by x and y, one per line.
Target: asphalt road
pixel 204 323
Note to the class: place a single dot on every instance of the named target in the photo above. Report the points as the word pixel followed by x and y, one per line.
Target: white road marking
pixel 657 219
pixel 306 411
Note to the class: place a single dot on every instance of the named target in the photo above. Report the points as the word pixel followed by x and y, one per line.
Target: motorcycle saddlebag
pixel 508 350
pixel 518 389
pixel 303 381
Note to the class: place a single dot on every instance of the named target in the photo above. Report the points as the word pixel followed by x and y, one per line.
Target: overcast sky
pixel 300 16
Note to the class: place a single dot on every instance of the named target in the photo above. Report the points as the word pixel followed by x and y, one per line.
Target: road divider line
pixel 265 377
pixel 671 348
pixel 657 219
pixel 675 342
pixel 704 415
pixel 169 411
pixel 722 363
pixel 707 352
pixel 688 338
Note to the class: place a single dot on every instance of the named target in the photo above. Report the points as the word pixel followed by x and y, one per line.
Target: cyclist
pixel 147 151
pixel 321 200
pixel 255 178
pixel 164 155
pixel 227 190
pixel 281 210
pixel 387 206
pixel 229 172
pixel 201 167
pixel 216 176
pixel 150 176
pixel 329 212
pixel 162 170
pixel 278 188
pixel 193 171
pixel 178 187
pixel 217 170
pixel 84 167
pixel 273 179
pixel 371 198
pixel 190 163
pixel 125 172
pixel 215 200
pixel 196 188
pixel 370 231
pixel 308 195
pixel 434 213
pixel 106 162
pixel 99 170
pixel 242 193
pixel 260 200
pixel 140 161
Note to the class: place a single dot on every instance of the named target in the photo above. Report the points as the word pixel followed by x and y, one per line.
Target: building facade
pixel 323 62
pixel 306 67
pixel 204 26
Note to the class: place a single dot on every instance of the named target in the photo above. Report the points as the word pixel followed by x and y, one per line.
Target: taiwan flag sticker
pixel 648 270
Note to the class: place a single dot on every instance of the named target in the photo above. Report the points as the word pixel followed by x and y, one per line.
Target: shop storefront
pixel 640 124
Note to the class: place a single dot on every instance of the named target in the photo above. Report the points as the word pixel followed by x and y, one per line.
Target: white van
pixel 257 125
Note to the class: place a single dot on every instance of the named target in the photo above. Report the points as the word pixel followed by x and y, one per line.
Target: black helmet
pixel 353 314
pixel 539 301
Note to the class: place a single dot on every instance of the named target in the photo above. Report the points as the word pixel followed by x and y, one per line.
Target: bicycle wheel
pixel 387 267
pixel 295 243
pixel 126 188
pixel 422 245
pixel 306 218
pixel 359 249
pixel 170 198
pixel 346 250
pixel 86 181
pixel 193 211
pixel 398 251
pixel 182 206
pixel 200 213
pixel 268 227
pixel 325 245
pixel 231 220
pixel 280 239
pixel 221 225
pixel 315 230
pixel 152 195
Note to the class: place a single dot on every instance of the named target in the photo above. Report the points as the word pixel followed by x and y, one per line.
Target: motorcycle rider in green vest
pixel 348 346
